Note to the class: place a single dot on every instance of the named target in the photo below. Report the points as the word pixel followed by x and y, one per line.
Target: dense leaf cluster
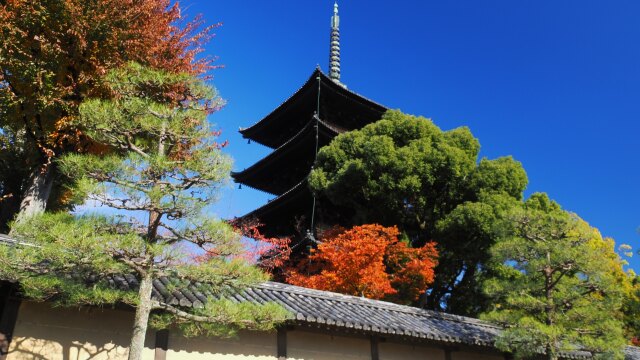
pixel 162 169
pixel 403 170
pixel 54 55
pixel 559 286
pixel 369 261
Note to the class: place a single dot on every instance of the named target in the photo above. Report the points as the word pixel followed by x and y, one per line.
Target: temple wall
pixel 395 351
pixel 248 345
pixel 43 332
pixel 475 356
pixel 306 346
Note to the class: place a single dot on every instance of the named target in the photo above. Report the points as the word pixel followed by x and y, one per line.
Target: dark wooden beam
pixel 9 306
pixel 282 343
pixel 447 354
pixel 375 355
pixel 162 344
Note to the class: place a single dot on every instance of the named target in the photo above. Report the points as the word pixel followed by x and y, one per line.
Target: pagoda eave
pixel 304 102
pixel 280 216
pixel 290 163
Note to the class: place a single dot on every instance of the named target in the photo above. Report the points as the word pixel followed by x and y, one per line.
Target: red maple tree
pixel 270 254
pixel 370 261
pixel 54 55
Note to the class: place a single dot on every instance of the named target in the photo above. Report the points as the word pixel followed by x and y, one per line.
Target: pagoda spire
pixel 334 56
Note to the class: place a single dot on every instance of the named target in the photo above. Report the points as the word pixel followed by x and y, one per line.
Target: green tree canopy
pixel 54 55
pixel 560 286
pixel 403 170
pixel 163 168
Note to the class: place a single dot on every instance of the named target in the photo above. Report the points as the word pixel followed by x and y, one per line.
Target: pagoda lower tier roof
pixel 342 107
pixel 289 164
pixel 287 215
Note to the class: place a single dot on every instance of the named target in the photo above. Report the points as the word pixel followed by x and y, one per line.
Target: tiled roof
pixel 323 308
pixel 351 313
pixel 255 175
pixel 310 306
pixel 317 73
pixel 295 190
pixel 632 353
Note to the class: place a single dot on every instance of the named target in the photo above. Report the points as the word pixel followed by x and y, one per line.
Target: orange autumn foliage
pixel 370 261
pixel 55 53
pixel 269 253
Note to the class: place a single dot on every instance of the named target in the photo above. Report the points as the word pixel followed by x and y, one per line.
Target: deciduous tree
pixel 559 285
pixel 632 309
pixel 53 56
pixel 370 261
pixel 403 170
pixel 269 253
pixel 162 169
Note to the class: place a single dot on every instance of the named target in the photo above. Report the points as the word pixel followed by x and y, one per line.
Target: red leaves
pixel 55 53
pixel 270 253
pixel 369 261
pixel 411 269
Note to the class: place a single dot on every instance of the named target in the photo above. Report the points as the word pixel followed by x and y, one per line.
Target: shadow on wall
pixel 54 333
pixel 45 332
pixel 41 349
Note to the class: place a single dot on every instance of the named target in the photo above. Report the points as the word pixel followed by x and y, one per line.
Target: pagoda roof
pixel 279 216
pixel 338 105
pixel 291 162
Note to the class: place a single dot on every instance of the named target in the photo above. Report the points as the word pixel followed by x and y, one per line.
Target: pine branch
pixel 131 146
pixel 220 319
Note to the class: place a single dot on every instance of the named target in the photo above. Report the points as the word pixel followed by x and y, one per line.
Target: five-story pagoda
pixel 320 110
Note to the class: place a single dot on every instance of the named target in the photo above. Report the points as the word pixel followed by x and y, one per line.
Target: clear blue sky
pixel 554 83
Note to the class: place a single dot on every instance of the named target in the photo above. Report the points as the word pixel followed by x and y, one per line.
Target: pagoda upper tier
pixel 319 111
pixel 339 107
pixel 285 167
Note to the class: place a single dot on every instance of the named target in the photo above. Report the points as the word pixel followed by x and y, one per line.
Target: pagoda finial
pixel 334 56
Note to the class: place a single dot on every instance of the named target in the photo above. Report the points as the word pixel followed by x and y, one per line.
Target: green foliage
pixel 632 309
pixel 54 55
pixel 221 312
pixel 161 169
pixel 403 170
pixel 558 284
pixel 66 260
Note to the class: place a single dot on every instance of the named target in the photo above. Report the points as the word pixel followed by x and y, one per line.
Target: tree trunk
pixel 549 309
pixel 551 355
pixel 142 318
pixel 36 195
pixel 9 207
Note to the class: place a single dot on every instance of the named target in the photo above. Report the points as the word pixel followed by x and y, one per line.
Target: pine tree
pixel 558 288
pixel 53 56
pixel 162 168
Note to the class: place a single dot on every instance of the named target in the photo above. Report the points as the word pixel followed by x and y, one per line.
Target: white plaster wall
pixel 394 351
pixel 43 332
pixel 248 345
pixel 312 346
pixel 474 356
